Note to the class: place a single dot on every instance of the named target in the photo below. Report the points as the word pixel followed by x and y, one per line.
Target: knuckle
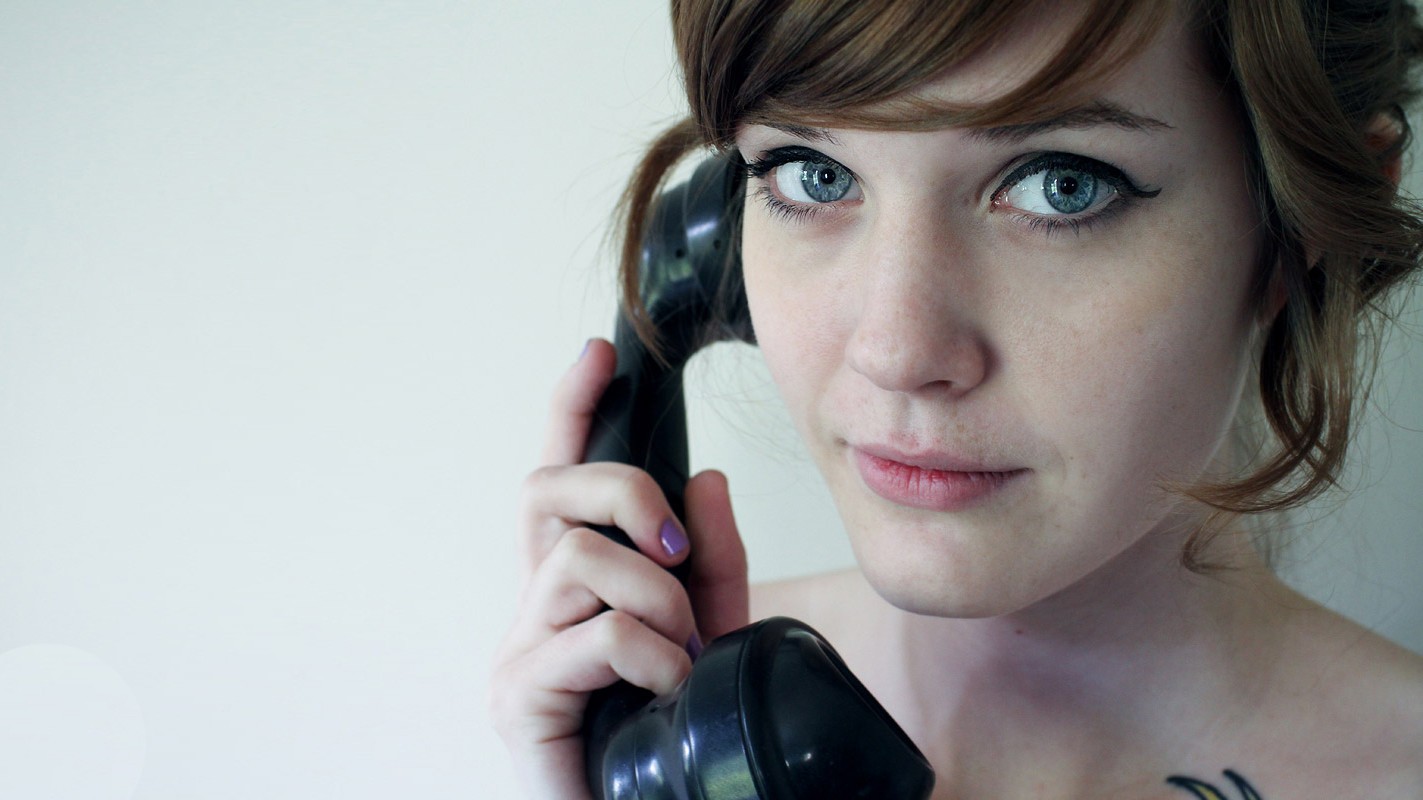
pixel 573 605
pixel 564 597
pixel 577 546
pixel 615 629
pixel 534 484
pixel 672 605
pixel 504 698
pixel 638 490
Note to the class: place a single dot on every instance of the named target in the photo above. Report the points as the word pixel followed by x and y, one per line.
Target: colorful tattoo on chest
pixel 1206 791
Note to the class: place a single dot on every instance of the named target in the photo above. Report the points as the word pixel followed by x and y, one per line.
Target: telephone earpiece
pixel 769 711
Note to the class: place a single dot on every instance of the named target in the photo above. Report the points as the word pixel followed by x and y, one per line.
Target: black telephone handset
pixel 769 711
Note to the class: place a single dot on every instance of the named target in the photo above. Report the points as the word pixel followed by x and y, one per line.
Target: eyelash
pixel 761 167
pixel 1127 190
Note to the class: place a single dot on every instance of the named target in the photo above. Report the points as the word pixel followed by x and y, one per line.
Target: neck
pixel 1142 645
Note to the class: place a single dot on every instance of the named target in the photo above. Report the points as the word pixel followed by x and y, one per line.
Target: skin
pixel 921 314
pixel 593 612
pixel 1100 360
pixel 1043 641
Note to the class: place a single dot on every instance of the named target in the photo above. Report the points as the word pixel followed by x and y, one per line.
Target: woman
pixel 1031 278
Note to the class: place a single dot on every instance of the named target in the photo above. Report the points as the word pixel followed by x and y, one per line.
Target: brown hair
pixel 1314 80
pixel 1310 78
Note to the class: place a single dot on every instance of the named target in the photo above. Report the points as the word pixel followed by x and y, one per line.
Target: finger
pixel 610 647
pixel 586 573
pixel 541 695
pixel 574 401
pixel 603 493
pixel 717 584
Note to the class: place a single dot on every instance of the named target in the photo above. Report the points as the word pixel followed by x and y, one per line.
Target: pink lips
pixel 934 482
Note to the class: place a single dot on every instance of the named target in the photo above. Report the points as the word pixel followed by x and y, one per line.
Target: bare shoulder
pixel 1350 706
pixel 1382 699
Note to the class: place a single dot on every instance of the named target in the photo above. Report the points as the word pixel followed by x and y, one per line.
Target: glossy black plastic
pixel 769 711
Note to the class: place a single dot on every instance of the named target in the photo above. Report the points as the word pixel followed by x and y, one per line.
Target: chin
pixel 945 583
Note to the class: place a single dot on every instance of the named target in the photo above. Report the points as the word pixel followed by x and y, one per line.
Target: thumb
pixel 717 582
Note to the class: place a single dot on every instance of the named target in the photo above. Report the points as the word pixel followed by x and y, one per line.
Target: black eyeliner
pixel 1127 190
pixel 1100 169
pixel 760 167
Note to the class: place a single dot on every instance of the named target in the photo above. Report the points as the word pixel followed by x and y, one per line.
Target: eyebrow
pixel 804 132
pixel 1095 114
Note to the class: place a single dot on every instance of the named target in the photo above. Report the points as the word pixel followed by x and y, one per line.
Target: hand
pixel 593 612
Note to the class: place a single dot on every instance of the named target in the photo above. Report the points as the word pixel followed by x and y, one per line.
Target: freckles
pixel 1074 358
pixel 1113 373
pixel 792 333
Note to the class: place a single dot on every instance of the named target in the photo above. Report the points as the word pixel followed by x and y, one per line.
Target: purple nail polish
pixel 694 646
pixel 581 353
pixel 673 540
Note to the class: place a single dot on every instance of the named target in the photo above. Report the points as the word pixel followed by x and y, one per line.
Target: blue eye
pixel 1071 191
pixel 813 181
pixel 797 181
pixel 1058 190
pixel 1061 188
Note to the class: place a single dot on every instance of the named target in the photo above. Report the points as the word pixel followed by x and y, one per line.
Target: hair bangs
pixel 865 65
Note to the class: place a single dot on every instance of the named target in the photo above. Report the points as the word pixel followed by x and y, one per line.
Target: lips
pixel 934 481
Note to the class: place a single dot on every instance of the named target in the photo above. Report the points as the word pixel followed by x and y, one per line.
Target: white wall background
pixel 284 286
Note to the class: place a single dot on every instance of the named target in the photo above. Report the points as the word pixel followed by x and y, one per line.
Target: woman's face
pixel 998 342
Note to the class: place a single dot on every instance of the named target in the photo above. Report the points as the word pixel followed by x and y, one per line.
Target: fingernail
pixel 694 646
pixel 673 540
pixel 581 353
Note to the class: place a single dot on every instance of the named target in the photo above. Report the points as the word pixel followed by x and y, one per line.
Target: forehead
pixel 1159 86
pixel 1012 59
pixel 1036 40
pixel 1160 97
pixel 985 63
pixel 1166 66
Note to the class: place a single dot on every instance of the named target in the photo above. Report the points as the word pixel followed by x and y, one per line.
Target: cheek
pixel 790 302
pixel 1148 383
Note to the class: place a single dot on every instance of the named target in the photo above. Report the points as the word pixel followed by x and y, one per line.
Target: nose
pixel 918 326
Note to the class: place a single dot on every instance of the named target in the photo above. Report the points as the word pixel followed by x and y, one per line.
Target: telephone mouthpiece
pixel 770 712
